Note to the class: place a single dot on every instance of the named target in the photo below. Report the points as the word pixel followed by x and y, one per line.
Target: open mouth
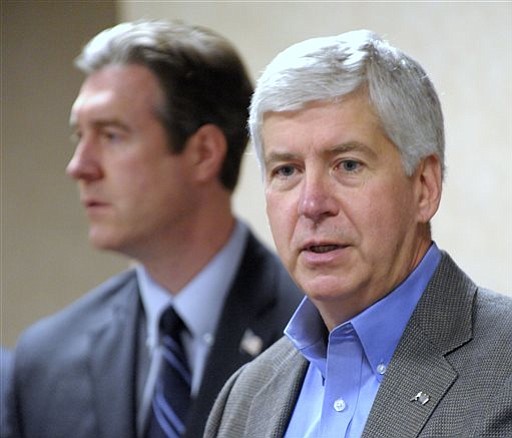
pixel 321 249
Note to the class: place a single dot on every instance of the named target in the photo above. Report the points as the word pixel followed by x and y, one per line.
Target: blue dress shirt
pixel 345 373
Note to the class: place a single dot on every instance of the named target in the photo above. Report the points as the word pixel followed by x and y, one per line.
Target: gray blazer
pixel 456 349
pixel 75 373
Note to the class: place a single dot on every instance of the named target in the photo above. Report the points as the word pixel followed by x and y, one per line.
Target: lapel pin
pixel 251 343
pixel 421 397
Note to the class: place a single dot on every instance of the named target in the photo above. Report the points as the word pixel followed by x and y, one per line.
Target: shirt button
pixel 339 405
pixel 381 368
pixel 208 339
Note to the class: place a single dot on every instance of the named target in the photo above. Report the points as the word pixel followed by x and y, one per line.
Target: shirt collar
pixel 209 287
pixel 379 327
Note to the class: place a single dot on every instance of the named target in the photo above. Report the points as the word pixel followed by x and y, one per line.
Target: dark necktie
pixel 172 391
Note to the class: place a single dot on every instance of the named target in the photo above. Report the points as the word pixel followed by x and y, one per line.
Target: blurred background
pixel 46 261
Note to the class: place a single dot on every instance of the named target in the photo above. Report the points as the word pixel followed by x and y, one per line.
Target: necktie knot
pixel 171 324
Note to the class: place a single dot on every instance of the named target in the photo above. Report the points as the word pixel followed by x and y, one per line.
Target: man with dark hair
pixel 160 126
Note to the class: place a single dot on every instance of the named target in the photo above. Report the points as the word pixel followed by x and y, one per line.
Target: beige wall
pixel 46 261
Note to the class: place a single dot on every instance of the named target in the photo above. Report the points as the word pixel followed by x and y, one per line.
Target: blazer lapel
pixel 273 406
pixel 112 365
pixel 419 374
pixel 415 382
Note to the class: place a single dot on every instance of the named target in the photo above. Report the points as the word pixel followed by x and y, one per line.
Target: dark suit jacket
pixel 5 383
pixel 75 372
pixel 456 348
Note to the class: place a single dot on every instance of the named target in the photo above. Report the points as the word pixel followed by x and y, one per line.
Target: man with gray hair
pixel 392 338
pixel 160 129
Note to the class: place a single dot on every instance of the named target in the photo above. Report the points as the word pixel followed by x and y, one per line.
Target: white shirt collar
pixel 209 287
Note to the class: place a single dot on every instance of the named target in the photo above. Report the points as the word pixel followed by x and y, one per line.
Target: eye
pixel 111 136
pixel 350 165
pixel 284 171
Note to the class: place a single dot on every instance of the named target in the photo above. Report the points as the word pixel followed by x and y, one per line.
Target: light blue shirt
pixel 199 303
pixel 344 376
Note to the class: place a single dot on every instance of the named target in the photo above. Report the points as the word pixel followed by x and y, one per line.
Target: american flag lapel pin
pixel 251 343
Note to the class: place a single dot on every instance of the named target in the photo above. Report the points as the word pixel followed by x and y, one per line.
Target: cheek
pixel 128 172
pixel 281 221
pixel 145 175
pixel 273 217
pixel 387 212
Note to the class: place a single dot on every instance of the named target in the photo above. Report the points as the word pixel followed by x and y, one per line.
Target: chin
pixel 324 288
pixel 325 296
pixel 103 241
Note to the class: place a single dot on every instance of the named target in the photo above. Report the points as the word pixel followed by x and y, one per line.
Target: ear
pixel 428 182
pixel 207 148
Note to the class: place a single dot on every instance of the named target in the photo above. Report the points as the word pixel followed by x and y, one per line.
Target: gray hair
pixel 202 77
pixel 328 68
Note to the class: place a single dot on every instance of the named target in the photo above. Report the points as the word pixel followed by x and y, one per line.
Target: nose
pixel 317 198
pixel 84 164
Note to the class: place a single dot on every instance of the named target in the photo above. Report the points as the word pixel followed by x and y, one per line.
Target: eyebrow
pixel 278 157
pixel 350 146
pixel 100 123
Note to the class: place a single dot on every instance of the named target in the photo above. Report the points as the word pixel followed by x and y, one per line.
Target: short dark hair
pixel 201 74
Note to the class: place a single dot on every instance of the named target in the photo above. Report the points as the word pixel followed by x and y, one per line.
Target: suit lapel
pixel 273 406
pixel 419 374
pixel 112 360
pixel 245 302
pixel 418 370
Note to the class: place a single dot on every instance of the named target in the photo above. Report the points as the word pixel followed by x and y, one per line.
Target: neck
pixel 178 257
